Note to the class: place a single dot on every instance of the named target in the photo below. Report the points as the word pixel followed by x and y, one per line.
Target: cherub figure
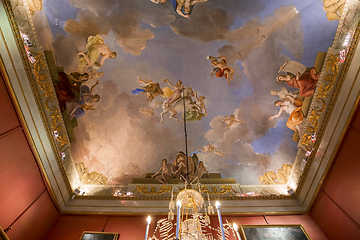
pixel 210 148
pixel 147 112
pixel 200 171
pixel 184 7
pixel 293 107
pixel 95 47
pixel 230 120
pixel 95 74
pixel 283 93
pixel 165 172
pixel 159 1
pixel 221 68
pixel 77 108
pixel 193 115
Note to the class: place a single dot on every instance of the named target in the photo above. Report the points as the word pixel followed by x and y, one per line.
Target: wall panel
pixel 8 119
pixel 342 181
pixel 332 220
pixel 131 228
pixel 36 220
pixel 21 181
pixel 337 207
pixel 70 227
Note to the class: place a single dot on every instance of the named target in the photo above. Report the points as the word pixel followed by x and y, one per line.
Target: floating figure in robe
pixel 299 77
pixel 184 7
pixel 77 108
pixel 147 112
pixel 176 93
pixel 152 89
pixel 293 107
pixel 221 69
pixel 230 120
pixel 210 148
pixel 95 47
pixel 192 115
pixel 283 93
pixel 176 99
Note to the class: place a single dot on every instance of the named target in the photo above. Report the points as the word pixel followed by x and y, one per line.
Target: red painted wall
pixel 25 204
pixel 337 206
pixel 70 227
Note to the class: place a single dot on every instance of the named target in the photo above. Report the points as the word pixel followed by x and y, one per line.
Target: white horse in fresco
pixel 178 106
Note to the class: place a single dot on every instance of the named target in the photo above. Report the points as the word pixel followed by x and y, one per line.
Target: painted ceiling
pixel 123 137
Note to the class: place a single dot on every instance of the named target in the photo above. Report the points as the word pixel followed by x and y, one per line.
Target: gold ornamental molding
pixel 334 74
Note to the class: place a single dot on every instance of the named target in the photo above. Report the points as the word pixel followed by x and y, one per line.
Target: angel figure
pixel 193 115
pixel 230 120
pixel 147 112
pixel 184 7
pixel 293 107
pixel 151 88
pixel 210 148
pixel 77 79
pixel 95 47
pixel 298 76
pixel 176 93
pixel 165 172
pixel 283 93
pixel 77 108
pixel 221 69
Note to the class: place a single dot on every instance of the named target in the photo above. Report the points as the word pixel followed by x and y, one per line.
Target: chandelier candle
pixel 236 230
pixel 178 205
pixel 148 221
pixel 217 205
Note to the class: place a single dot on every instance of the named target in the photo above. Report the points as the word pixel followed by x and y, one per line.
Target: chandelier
pixel 191 223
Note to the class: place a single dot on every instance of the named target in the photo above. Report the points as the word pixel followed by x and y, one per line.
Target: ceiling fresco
pixel 223 55
pixel 238 85
pixel 258 93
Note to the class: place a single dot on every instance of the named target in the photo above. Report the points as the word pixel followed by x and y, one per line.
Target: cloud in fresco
pixel 211 21
pixel 118 142
pixel 240 160
pixel 255 33
pixel 123 19
pixel 205 26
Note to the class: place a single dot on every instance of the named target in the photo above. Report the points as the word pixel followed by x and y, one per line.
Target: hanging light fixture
pixel 191 224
